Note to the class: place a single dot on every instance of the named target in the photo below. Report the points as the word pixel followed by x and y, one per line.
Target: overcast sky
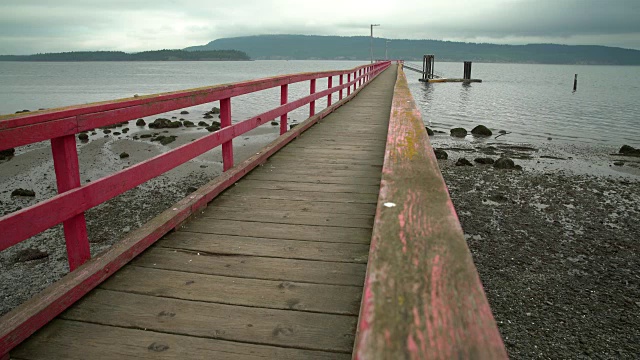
pixel 30 26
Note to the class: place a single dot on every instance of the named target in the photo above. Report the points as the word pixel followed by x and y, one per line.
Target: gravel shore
pixel 556 245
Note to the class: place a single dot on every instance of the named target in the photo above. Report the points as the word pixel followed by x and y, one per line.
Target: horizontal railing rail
pixel 61 125
pixel 23 321
pixel 422 297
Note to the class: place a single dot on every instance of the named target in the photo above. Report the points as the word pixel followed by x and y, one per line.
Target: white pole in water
pixel 371 47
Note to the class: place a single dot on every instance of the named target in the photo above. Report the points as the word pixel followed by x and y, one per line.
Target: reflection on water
pixel 535 102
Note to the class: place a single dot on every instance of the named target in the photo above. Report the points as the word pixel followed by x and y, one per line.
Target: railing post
pixel 329 86
pixel 341 83
pixel 348 82
pixel 67 169
pixel 284 96
pixel 312 105
pixel 227 147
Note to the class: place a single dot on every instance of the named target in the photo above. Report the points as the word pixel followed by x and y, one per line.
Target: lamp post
pixel 386 49
pixel 372 25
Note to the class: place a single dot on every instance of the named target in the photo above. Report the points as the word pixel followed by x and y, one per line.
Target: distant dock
pixel 428 62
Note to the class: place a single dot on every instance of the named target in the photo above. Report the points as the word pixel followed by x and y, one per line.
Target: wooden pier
pixel 271 259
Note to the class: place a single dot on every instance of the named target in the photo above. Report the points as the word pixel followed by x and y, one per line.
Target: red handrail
pixel 60 126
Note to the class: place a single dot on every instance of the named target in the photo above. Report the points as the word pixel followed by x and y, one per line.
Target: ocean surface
pixel 532 102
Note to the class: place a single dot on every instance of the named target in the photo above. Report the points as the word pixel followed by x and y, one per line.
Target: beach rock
pixel 83 137
pixel 162 123
pixel 124 155
pixel 441 154
pixel 429 131
pixel 184 112
pixel 188 123
pixel 23 192
pixel 145 136
pixel 116 133
pixel 618 163
pixel 458 132
pixel 629 150
pixel 502 132
pixel 485 161
pixel 164 140
pixel 274 123
pixel 7 154
pixel 22 111
pixel 215 126
pixel 29 254
pixel 106 131
pixel 125 130
pixel 504 163
pixel 202 123
pixel 463 162
pixel 140 122
pixel 498 198
pixel 207 116
pixel 481 130
pixel 215 110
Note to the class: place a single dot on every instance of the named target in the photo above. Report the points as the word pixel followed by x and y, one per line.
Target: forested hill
pixel 159 55
pixel 305 47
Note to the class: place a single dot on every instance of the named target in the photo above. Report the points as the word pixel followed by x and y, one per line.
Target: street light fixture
pixel 372 25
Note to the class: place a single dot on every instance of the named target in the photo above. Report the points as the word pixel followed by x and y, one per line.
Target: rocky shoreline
pixel 555 243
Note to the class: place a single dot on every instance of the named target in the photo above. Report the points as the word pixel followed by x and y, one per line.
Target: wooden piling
pixel 575 82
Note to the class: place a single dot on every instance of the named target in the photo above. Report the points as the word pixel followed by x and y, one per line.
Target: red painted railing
pixel 61 125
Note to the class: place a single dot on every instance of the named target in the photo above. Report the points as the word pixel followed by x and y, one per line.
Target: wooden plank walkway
pixel 273 268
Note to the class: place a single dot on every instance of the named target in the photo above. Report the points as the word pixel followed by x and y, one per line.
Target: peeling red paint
pixel 423 298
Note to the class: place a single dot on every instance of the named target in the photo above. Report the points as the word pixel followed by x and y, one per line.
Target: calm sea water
pixel 533 102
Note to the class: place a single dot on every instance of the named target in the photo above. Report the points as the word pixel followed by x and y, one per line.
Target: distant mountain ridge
pixel 157 55
pixel 310 47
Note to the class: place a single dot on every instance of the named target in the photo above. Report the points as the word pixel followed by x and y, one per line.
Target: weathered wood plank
pixel 248 184
pixel 337 154
pixel 320 178
pixel 423 298
pixel 330 299
pixel 298 329
pixel 281 216
pixel 321 170
pixel 254 267
pixel 75 340
pixel 292 205
pixel 279 231
pixel 252 246
pixel 308 158
pixel 315 196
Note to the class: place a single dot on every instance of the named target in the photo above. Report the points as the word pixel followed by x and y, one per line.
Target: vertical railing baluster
pixel 329 86
pixel 341 83
pixel 67 169
pixel 349 82
pixel 227 147
pixel 284 98
pixel 312 105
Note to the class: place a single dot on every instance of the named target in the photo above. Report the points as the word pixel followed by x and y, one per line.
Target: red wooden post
pixel 312 105
pixel 225 120
pixel 348 81
pixel 329 86
pixel 341 82
pixel 65 163
pixel 284 95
